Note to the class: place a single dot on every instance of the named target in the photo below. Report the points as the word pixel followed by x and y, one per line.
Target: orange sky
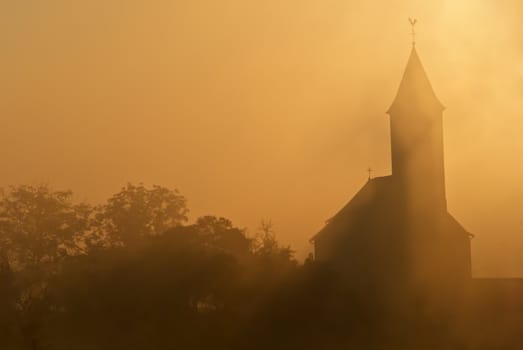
pixel 263 109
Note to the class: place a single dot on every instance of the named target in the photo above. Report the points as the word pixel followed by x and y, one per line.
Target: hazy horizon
pixel 270 110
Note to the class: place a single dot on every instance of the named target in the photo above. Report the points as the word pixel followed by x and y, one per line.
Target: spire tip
pixel 413 22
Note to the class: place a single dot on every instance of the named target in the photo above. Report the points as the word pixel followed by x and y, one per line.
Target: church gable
pixel 356 209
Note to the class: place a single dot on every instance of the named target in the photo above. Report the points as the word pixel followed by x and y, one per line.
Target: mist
pixel 261 174
pixel 263 109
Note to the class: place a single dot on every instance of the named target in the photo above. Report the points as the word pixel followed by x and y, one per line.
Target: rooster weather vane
pixel 413 22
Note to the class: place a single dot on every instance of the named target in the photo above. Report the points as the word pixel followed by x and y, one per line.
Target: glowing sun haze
pixel 263 109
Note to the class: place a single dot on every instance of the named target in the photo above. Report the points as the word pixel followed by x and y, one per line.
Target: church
pixel 397 227
pixel 396 239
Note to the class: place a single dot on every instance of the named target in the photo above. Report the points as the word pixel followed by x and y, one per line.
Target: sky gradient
pixel 263 109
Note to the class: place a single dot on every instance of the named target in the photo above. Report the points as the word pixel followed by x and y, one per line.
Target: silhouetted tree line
pixel 134 274
pixel 128 274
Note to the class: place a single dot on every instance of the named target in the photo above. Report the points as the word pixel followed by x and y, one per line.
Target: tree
pixel 40 225
pixel 220 234
pixel 267 246
pixel 168 291
pixel 38 228
pixel 8 312
pixel 136 212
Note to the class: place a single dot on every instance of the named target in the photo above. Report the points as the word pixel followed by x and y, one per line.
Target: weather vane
pixel 413 22
pixel 369 170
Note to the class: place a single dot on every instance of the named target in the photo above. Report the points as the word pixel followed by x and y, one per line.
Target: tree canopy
pixel 126 273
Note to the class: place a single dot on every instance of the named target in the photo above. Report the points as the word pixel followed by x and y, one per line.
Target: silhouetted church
pixel 397 228
pixel 396 242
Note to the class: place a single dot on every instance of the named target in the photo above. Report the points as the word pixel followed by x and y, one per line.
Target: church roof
pixel 364 200
pixel 378 200
pixel 366 195
pixel 415 90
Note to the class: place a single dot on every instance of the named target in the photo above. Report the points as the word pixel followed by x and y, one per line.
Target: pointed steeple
pixel 415 91
pixel 416 123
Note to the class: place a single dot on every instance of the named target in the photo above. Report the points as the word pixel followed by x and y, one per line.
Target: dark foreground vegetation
pixel 133 274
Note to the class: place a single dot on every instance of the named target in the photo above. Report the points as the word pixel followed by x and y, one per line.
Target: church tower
pixel 396 231
pixel 416 123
